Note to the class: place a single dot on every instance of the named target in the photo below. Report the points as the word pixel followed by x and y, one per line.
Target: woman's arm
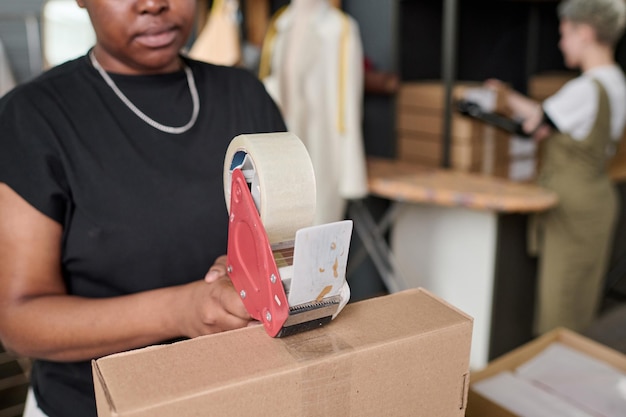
pixel 524 108
pixel 39 319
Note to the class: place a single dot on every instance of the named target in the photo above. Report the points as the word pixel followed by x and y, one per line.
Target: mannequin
pixel 312 65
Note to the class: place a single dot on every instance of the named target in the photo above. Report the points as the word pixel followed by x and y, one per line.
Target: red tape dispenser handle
pixel 251 264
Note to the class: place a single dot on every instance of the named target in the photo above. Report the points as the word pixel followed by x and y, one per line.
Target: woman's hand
pixel 499 86
pixel 216 305
pixel 524 108
pixel 218 270
pixel 39 319
pixel 211 307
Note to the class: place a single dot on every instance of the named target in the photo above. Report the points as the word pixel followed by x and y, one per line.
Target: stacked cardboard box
pixel 475 146
pixel 543 85
pixel 405 354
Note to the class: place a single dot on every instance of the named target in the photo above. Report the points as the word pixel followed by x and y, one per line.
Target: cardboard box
pixel 471 157
pixel 405 354
pixel 430 95
pixel 475 146
pixel 485 150
pixel 479 406
pixel 463 129
pixel 543 85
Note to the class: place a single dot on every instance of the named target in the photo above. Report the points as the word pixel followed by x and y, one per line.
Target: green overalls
pixel 573 239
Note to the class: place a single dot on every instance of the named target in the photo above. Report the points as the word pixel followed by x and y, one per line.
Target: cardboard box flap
pixel 335 365
pixel 522 354
pixel 480 406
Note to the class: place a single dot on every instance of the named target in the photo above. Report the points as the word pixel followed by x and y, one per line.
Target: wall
pixel 377 23
pixel 15 29
pixel 376 19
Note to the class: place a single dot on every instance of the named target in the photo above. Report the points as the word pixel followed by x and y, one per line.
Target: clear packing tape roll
pixel 279 170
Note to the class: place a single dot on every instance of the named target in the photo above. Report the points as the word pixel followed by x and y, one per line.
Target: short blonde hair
pixel 606 17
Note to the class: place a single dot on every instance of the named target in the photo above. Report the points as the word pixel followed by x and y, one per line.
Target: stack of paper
pixel 560 381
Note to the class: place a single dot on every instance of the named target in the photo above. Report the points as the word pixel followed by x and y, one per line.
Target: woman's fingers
pixel 217 270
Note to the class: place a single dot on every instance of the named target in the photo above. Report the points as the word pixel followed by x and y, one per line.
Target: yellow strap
pixel 343 74
pixel 217 5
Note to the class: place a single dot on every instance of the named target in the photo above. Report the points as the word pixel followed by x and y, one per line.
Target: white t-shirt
pixel 574 107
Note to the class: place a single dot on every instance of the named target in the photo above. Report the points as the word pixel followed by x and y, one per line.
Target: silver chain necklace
pixel 163 128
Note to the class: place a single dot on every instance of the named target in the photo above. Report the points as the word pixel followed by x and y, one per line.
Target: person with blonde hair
pixel 579 128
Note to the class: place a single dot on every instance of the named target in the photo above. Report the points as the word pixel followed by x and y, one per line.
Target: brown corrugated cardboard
pixel 463 128
pixel 405 354
pixel 475 147
pixel 481 152
pixel 479 406
pixel 428 149
pixel 543 85
pixel 430 94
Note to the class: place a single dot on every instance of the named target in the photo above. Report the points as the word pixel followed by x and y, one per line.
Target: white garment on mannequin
pixel 316 77
pixel 302 12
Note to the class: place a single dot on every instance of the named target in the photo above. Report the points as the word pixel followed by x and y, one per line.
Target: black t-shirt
pixel 140 209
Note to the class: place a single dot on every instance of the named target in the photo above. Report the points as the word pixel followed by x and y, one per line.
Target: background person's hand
pixel 499 86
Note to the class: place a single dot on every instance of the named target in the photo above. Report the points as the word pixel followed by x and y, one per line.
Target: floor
pixel 610 328
pixel 13 384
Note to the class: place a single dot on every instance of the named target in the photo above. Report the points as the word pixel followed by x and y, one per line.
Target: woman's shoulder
pixel 611 77
pixel 58 79
pixel 575 92
pixel 609 72
pixel 580 85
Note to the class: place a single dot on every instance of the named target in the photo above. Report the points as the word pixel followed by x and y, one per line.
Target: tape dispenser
pixel 290 275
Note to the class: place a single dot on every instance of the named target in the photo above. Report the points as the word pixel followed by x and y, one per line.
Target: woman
pixel 580 126
pixel 111 199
